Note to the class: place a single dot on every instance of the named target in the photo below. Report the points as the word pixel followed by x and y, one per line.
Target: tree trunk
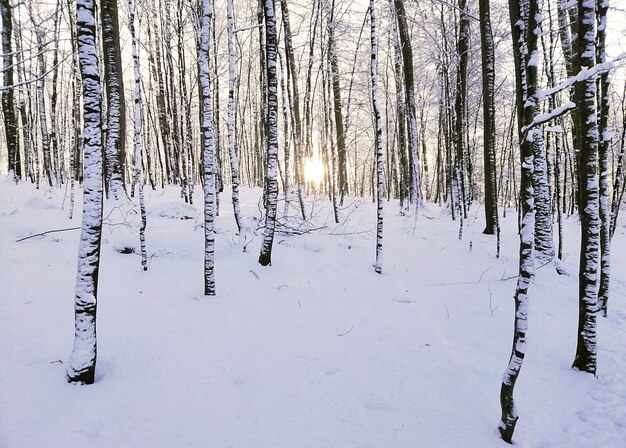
pixel 265 257
pixel 208 148
pixel 586 111
pixel 138 117
pixel 378 144
pixel 8 107
pixel 114 154
pixel 409 86
pixel 525 30
pixel 604 85
pixel 230 117
pixel 82 365
pixel 489 140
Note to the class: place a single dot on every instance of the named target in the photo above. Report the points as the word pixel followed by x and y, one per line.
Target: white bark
pixel 138 118
pixel 82 363
pixel 208 148
pixel 378 135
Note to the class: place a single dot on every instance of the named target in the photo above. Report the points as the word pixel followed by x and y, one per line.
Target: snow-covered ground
pixel 315 351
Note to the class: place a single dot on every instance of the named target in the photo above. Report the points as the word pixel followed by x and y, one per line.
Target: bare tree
pixel 208 148
pixel 82 366
pixel 271 46
pixel 8 106
pixel 378 144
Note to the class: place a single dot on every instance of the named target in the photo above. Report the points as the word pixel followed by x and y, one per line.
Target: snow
pixel 315 351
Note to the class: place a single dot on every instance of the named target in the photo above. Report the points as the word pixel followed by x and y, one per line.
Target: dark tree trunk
pixel 8 106
pixel 586 350
pixel 409 91
pixel 489 139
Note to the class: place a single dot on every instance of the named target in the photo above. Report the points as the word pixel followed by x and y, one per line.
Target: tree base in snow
pixel 506 429
pixel 83 378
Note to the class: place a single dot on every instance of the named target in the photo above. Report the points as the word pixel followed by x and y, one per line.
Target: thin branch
pixel 46 232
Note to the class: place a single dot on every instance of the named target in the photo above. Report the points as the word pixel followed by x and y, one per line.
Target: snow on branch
pixel 549 116
pixel 583 75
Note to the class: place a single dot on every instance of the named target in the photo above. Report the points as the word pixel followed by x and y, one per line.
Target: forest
pixel 325 223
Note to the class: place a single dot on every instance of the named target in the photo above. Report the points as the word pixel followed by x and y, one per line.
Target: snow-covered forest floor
pixel 314 351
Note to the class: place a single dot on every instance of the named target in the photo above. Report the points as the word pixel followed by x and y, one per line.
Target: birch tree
pixel 230 115
pixel 271 48
pixel 378 144
pixel 208 147
pixel 116 107
pixel 137 134
pixel 82 365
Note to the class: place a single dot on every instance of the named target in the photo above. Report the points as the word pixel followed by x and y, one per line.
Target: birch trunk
pixel 116 110
pixel 230 116
pixel 265 257
pixel 82 366
pixel 378 144
pixel 208 148
pixel 138 118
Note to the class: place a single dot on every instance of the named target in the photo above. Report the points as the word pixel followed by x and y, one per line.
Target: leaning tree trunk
pixel 586 111
pixel 208 148
pixel 378 143
pixel 271 47
pixel 82 366
pixel 8 106
pixel 524 27
pixel 116 110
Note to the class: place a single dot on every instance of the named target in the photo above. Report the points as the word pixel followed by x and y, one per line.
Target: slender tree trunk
pixel 604 142
pixel 82 366
pixel 265 257
pixel 8 106
pixel 230 116
pixel 409 86
pixel 208 148
pixel 586 350
pixel 525 30
pixel 342 167
pixel 460 108
pixel 115 155
pixel 378 143
pixel 292 74
pixel 138 118
pixel 489 140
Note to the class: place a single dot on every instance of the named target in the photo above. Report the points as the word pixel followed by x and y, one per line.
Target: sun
pixel 313 170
